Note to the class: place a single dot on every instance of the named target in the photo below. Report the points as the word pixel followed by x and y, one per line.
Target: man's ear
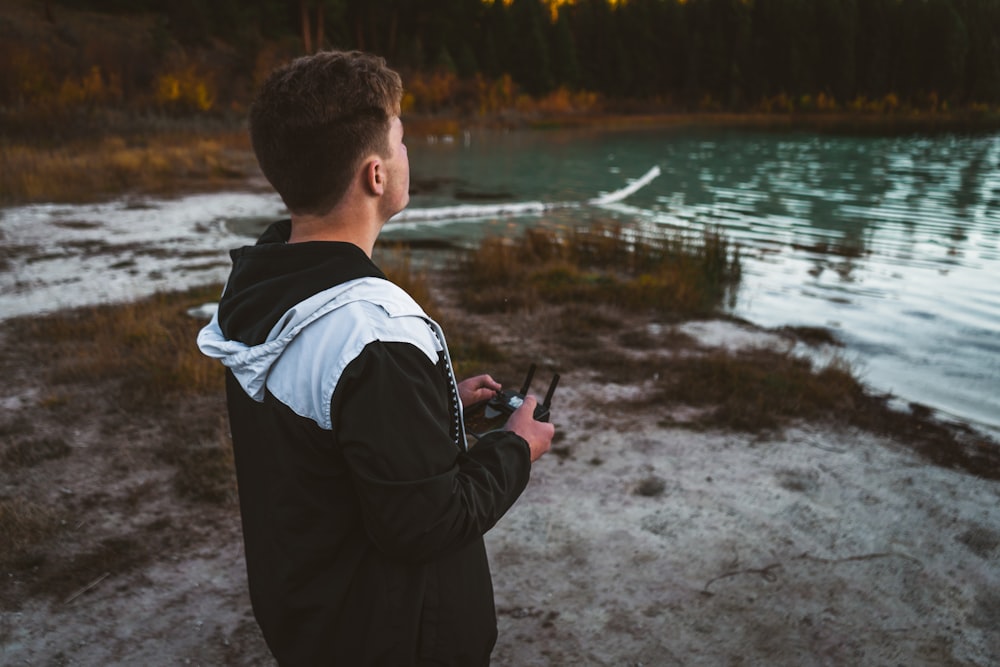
pixel 375 176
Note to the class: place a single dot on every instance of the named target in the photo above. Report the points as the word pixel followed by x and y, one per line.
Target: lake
pixel 891 242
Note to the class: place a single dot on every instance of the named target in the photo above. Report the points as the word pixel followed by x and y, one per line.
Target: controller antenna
pixel 527 380
pixel 552 390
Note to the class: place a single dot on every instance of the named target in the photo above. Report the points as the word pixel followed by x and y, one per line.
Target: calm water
pixel 894 243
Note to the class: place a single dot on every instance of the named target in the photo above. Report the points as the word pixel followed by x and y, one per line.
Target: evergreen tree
pixel 565 67
pixel 943 48
pixel 531 64
pixel 875 48
pixel 981 76
pixel 498 48
pixel 592 23
pixel 466 65
pixel 835 29
pixel 636 46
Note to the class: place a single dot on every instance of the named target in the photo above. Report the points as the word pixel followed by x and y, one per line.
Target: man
pixel 363 508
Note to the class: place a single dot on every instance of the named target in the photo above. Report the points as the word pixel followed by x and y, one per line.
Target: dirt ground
pixel 637 542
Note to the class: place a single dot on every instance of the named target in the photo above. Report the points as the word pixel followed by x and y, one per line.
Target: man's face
pixel 397 164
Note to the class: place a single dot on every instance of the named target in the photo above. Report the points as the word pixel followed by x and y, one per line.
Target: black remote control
pixel 492 414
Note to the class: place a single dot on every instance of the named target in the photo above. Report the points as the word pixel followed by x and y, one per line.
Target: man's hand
pixel 538 434
pixel 475 389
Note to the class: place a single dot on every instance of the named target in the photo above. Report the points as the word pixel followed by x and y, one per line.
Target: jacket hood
pixel 277 289
pixel 251 364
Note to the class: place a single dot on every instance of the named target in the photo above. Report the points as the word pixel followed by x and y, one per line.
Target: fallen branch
pixel 472 211
pixel 767 573
pixel 88 587
pixel 764 572
pixel 848 559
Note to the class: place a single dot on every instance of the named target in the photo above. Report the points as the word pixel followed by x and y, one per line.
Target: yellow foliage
pixel 826 102
pixel 433 90
pixel 168 88
pixel 524 103
pixel 780 103
pixel 888 104
pixel 90 90
pixel 494 95
pixel 407 103
pixel 558 101
pixel 562 100
pixel 186 88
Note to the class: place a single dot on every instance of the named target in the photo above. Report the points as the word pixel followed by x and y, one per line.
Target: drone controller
pixel 493 413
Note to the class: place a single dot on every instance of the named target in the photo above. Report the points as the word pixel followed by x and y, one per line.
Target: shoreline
pixel 899 122
pixel 182 155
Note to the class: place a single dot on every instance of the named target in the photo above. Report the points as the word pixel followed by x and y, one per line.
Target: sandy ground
pixel 634 544
pixel 653 546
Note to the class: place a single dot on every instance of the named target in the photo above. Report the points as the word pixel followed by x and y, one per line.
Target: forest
pixel 486 56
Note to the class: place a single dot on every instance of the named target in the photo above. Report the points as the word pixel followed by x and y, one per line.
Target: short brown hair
pixel 315 119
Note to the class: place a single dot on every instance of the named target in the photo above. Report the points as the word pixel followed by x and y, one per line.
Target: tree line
pixel 682 54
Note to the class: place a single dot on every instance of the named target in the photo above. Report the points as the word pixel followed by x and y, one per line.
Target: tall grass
pixel 148 345
pixel 93 170
pixel 671 274
pixel 23 524
pixel 760 390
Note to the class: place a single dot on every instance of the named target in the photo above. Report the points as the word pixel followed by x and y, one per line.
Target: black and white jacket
pixel 363 510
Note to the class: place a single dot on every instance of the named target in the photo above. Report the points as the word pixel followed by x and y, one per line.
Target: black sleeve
pixel 420 494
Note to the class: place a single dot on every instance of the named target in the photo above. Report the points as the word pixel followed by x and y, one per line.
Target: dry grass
pixel 93 170
pixel 760 390
pixel 24 453
pixel 124 389
pixel 670 274
pixel 24 524
pixel 148 345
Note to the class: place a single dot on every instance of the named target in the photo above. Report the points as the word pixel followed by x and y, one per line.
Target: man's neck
pixel 345 226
